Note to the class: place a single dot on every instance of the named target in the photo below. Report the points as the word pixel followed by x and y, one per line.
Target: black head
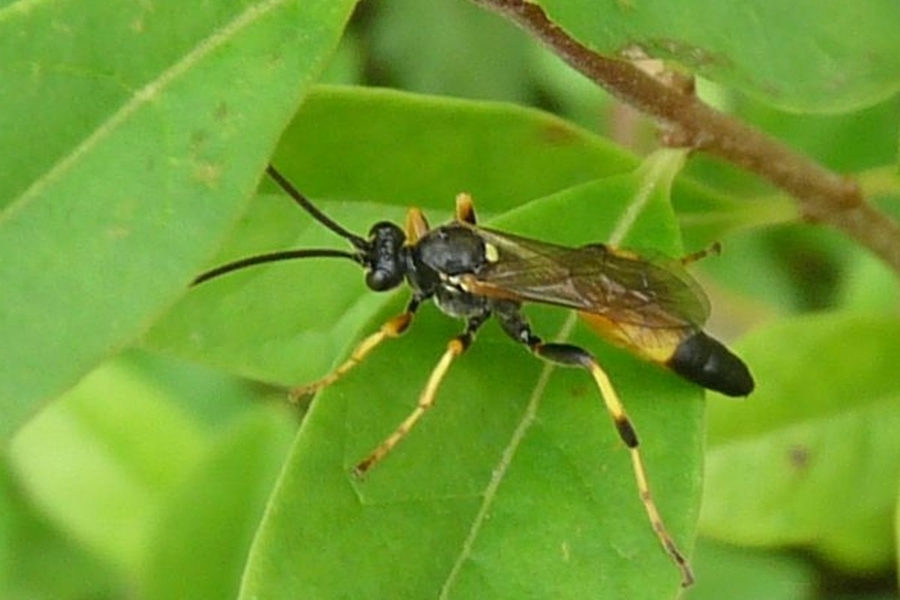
pixel 384 257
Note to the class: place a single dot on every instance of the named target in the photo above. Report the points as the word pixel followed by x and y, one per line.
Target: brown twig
pixel 823 196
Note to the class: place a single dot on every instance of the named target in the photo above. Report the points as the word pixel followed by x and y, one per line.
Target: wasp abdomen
pixel 706 361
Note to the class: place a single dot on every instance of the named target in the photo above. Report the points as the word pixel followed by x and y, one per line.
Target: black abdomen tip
pixel 707 362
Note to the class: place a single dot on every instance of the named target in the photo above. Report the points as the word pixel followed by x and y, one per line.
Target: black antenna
pixel 286 185
pixel 269 257
pixel 273 257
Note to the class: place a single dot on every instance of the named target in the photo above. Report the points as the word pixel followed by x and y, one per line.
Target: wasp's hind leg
pixel 455 347
pixel 517 327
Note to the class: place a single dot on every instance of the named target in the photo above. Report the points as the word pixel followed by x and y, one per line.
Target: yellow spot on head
pixel 491 253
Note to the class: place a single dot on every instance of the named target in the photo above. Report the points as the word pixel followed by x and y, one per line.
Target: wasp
pixel 648 305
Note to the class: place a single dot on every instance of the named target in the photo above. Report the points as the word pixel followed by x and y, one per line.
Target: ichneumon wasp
pixel 650 306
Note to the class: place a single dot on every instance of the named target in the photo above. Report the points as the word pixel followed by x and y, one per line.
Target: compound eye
pixel 379 280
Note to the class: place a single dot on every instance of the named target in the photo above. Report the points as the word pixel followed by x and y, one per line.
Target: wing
pixel 650 292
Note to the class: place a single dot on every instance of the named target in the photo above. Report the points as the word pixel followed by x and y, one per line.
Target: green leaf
pixel 98 461
pixel 516 483
pixel 749 574
pixel 870 285
pixel 844 59
pixel 37 561
pixel 449 47
pixel 136 134
pixel 812 457
pixel 897 528
pixel 413 150
pixel 200 541
pixel 846 142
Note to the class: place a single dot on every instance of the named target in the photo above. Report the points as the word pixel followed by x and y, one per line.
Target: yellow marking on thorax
pixel 491 253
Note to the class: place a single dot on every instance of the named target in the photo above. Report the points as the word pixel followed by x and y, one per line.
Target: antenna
pixel 272 257
pixel 358 242
pixel 321 217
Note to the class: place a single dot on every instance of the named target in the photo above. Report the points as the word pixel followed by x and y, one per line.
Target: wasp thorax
pixel 453 250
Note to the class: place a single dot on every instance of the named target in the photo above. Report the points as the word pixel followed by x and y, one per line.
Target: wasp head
pixel 384 257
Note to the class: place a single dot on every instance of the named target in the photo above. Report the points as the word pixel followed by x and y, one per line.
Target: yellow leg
pixel 456 347
pixel 626 431
pixel 572 355
pixel 392 329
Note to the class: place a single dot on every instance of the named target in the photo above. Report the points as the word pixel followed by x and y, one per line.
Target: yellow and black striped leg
pixel 517 327
pixel 455 347
pixel 566 354
pixel 392 329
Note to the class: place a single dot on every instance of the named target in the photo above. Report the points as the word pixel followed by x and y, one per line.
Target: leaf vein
pixel 142 97
pixel 506 458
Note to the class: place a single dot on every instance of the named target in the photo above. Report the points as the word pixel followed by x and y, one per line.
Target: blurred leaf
pixel 743 574
pixel 897 534
pixel 844 58
pixel 346 64
pixel 448 47
pixel 139 131
pixel 210 398
pixel 812 457
pixel 37 562
pixel 515 485
pixel 786 269
pixel 200 542
pixel 870 285
pixel 98 461
pixel 849 143
pixel 706 216
pixel 580 99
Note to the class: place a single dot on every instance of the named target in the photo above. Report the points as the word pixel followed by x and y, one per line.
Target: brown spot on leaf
pixel 799 457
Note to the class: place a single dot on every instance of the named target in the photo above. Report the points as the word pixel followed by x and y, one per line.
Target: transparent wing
pixel 648 291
